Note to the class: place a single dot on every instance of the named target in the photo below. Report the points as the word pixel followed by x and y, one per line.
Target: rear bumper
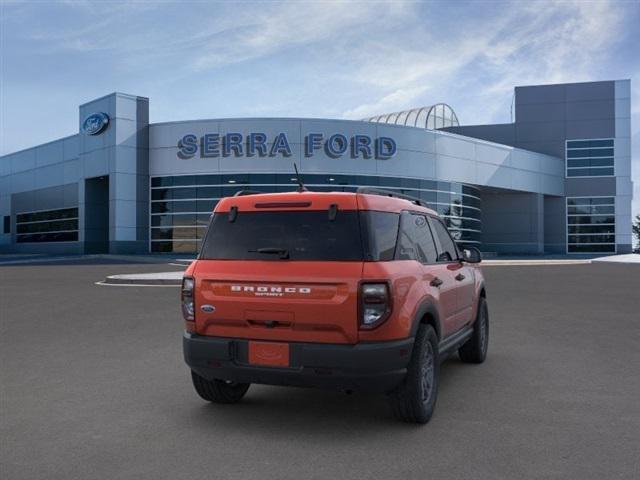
pixel 376 367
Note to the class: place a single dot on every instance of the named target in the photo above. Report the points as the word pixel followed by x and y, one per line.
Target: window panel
pixel 206 205
pixel 585 248
pixel 184 180
pixel 592 238
pixel 590 172
pixel 183 193
pixel 161 220
pixel 591 201
pixel 591 209
pixel 161 194
pixel 47 237
pixel 590 225
pixel 208 180
pixel 54 226
pixel 47 226
pixel 586 158
pixel 170 206
pixel 591 152
pixel 208 192
pixel 589 143
pixel 589 162
pixel 592 229
pixel 162 182
pixel 174 247
pixel 47 215
pixel 585 220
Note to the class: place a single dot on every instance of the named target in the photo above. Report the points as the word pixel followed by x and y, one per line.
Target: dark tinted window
pixel 307 235
pixel 380 231
pixel 416 241
pixel 48 237
pixel 7 224
pixel 447 251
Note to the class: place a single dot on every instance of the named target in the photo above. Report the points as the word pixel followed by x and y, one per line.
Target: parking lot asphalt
pixel 93 386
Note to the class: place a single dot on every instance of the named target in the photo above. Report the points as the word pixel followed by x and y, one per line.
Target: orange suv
pixel 354 291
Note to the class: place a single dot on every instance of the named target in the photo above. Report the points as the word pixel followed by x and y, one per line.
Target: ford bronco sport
pixel 354 291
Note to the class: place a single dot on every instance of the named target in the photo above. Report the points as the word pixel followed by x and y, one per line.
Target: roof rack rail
pixel 242 193
pixel 389 193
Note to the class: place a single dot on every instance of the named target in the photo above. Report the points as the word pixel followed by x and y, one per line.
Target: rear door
pixel 280 275
pixel 416 242
pixel 463 275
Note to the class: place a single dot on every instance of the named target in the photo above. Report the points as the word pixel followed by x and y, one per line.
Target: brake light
pixel 188 308
pixel 375 304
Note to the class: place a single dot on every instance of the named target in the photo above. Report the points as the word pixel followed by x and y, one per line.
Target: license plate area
pixel 270 354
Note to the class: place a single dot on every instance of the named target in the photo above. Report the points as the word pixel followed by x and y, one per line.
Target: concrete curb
pixel 175 278
pixel 160 278
pixel 629 258
pixel 511 263
pixel 38 258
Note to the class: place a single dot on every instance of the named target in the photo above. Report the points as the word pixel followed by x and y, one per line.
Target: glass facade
pixel 181 205
pixel 590 158
pixel 431 117
pixel 591 225
pixel 47 226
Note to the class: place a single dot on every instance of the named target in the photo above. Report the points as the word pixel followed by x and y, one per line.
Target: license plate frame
pixel 269 354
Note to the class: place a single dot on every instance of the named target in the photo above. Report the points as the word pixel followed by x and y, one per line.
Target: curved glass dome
pixel 430 117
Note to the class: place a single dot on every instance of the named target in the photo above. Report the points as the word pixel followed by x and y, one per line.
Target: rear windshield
pixel 302 235
pixel 308 235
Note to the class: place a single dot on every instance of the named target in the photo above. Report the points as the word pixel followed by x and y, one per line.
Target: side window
pixel 380 232
pixel 447 251
pixel 415 241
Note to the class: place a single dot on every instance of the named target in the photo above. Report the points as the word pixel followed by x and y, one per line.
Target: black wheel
pixel 415 399
pixel 219 391
pixel 475 349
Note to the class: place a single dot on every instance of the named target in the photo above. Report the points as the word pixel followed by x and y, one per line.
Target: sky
pixel 326 59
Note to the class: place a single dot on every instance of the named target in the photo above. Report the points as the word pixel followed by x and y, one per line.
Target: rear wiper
pixel 282 252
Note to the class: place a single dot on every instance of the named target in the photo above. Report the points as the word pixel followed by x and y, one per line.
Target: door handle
pixel 436 282
pixel 459 277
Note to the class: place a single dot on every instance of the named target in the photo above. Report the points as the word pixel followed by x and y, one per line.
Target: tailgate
pixel 295 301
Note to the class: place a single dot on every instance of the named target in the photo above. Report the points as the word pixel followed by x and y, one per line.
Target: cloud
pixel 527 43
pixel 396 100
pixel 261 32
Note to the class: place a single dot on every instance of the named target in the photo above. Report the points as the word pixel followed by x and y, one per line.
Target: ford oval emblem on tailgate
pixel 208 308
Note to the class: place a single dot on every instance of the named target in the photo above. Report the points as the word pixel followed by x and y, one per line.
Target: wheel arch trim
pixel 427 308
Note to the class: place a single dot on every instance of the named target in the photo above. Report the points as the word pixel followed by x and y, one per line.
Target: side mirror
pixel 471 255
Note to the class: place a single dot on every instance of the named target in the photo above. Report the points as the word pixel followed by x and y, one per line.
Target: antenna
pixel 301 187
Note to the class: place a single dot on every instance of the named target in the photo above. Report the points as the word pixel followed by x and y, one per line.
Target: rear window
pixel 299 235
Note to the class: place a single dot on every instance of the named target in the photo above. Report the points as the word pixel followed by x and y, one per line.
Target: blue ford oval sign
pixel 95 123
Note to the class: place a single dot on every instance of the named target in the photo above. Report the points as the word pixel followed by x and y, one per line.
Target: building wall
pixel 546 116
pixel 421 153
pixel 519 167
pixel 120 152
pixel 512 222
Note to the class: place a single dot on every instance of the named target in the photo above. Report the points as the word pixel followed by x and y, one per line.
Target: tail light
pixel 188 307
pixel 375 304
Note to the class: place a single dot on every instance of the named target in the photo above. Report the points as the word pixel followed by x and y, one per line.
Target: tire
pixel 415 398
pixel 219 391
pixel 475 349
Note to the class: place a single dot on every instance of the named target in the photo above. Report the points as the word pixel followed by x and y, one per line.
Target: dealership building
pixel 557 180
